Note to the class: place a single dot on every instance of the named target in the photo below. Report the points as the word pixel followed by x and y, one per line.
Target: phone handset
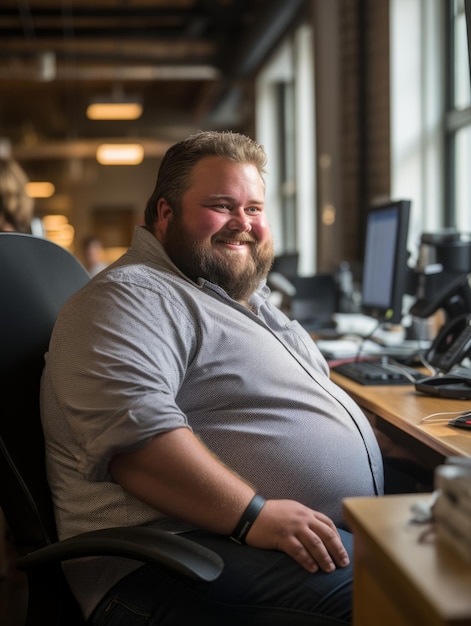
pixel 452 344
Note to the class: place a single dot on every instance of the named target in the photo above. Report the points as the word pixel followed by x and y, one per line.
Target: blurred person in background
pixel 93 255
pixel 16 207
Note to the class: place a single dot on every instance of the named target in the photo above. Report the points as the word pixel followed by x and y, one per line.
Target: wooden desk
pixel 402 576
pixel 399 411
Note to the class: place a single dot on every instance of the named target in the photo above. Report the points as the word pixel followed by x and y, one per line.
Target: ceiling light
pixel 54 222
pixel 58 230
pixel 114 110
pixel 120 154
pixel 115 106
pixel 40 189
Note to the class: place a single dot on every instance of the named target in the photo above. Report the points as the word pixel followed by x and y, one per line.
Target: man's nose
pixel 240 221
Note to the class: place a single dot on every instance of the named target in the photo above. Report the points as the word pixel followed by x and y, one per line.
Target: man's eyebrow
pixel 217 196
pixel 220 196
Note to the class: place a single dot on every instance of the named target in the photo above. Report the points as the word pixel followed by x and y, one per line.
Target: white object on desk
pixel 355 323
pixel 346 348
pixel 393 336
pixel 366 326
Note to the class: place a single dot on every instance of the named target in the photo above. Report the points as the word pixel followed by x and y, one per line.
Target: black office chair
pixel 36 277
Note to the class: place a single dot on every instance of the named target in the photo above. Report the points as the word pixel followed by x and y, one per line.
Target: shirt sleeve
pixel 116 373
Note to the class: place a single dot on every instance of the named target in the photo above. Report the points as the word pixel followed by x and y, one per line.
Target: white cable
pixel 427 417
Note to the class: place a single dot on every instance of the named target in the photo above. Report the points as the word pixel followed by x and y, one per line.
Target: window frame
pixel 455 119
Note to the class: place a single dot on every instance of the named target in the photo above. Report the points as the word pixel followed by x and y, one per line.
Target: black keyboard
pixel 378 373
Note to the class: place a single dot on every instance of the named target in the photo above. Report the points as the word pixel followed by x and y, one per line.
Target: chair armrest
pixel 148 545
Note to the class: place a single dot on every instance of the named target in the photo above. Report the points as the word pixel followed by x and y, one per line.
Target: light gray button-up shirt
pixel 141 350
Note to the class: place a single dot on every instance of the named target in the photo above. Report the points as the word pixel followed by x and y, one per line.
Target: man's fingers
pixel 330 539
pixel 319 547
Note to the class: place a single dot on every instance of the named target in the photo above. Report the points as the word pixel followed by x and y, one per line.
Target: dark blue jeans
pixel 256 588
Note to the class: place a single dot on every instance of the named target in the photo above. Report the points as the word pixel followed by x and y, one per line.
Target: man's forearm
pixel 177 475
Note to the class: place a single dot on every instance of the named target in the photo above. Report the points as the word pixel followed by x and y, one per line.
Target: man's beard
pixel 198 260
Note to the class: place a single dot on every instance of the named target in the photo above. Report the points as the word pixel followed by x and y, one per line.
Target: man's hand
pixel 309 537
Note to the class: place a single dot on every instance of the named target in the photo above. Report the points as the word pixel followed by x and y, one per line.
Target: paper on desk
pixel 345 348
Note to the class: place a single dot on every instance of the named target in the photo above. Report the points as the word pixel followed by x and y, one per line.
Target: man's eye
pixel 253 209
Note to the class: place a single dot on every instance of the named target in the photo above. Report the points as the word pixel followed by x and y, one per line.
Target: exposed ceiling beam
pixel 84 149
pixel 119 50
pixel 269 25
pixel 33 71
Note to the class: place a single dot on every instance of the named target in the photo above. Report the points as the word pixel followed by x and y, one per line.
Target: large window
pixel 417 110
pixel 285 126
pixel 431 113
pixel 457 119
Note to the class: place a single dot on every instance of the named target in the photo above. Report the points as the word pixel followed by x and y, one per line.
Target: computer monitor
pixel 385 261
pixel 286 264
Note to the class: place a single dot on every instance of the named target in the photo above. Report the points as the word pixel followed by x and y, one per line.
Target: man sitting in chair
pixel 175 395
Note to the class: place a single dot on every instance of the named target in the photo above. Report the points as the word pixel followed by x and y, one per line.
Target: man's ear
pixel 164 210
pixel 164 215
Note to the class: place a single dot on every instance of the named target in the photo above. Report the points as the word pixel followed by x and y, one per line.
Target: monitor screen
pixel 385 261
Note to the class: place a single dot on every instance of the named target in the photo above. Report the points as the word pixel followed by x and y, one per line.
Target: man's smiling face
pixel 220 232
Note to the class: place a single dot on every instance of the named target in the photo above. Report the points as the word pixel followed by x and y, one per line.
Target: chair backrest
pixel 36 278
